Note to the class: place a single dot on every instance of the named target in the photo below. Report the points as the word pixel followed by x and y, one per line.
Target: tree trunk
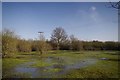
pixel 58 46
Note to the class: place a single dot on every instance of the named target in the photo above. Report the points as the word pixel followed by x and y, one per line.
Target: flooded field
pixel 51 66
pixel 59 68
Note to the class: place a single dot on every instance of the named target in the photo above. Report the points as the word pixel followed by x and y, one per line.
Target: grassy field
pixel 0 67
pixel 72 64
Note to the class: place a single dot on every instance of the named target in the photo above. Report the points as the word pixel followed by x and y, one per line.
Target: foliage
pixel 59 40
pixel 111 45
pixel 75 43
pixel 42 46
pixel 9 43
pixel 24 46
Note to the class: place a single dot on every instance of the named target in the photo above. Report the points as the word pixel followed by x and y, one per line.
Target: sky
pixel 60 0
pixel 0 16
pixel 85 20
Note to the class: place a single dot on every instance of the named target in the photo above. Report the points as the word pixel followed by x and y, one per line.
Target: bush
pixel 9 43
pixel 24 46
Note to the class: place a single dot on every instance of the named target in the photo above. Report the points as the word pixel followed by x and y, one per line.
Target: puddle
pixel 107 59
pixel 59 68
pixel 103 58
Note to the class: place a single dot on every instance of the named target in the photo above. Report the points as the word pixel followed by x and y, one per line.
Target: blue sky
pixel 85 20
pixel 60 0
pixel 0 16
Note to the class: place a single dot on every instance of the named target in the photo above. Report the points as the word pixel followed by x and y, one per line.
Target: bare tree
pixel 75 43
pixel 58 36
pixel 115 5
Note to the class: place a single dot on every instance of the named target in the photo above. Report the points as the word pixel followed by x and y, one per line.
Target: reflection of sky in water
pixel 45 71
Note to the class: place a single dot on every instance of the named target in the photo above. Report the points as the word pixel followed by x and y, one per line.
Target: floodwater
pixel 57 69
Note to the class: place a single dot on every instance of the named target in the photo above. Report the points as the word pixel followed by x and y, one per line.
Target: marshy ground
pixel 62 64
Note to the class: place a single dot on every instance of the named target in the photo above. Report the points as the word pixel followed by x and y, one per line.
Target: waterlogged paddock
pixel 61 64
pixel 54 69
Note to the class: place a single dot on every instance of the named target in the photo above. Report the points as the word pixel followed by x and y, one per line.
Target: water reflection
pixel 59 68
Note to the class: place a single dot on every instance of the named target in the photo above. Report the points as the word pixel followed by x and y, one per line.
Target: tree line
pixel 11 43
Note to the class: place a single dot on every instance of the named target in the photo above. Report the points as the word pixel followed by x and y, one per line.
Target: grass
pixel 0 68
pixel 21 75
pixel 53 70
pixel 101 69
pixel 9 63
pixel 40 64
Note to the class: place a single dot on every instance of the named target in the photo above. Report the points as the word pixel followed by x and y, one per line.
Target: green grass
pixel 40 64
pixel 9 62
pixel 52 70
pixel 0 68
pixel 101 69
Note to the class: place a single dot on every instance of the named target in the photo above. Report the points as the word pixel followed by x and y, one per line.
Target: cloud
pixel 91 15
pixel 93 8
pixel 94 14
